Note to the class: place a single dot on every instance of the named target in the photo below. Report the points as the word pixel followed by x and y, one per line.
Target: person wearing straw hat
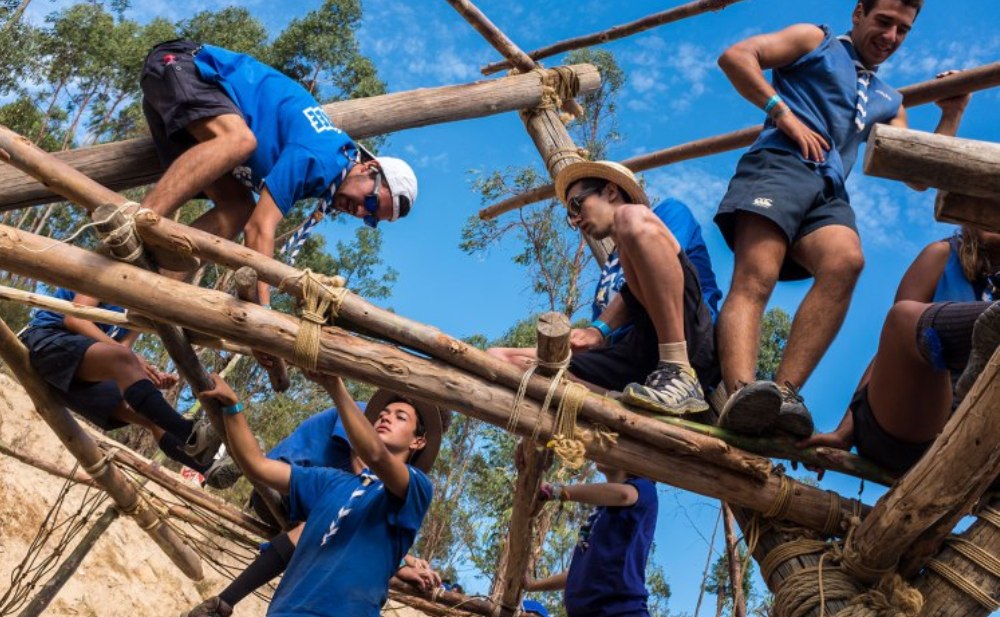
pixel 360 523
pixel 786 214
pixel 228 126
pixel 658 363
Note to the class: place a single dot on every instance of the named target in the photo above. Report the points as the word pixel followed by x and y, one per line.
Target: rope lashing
pixel 123 234
pixel 321 296
pixel 561 155
pixel 832 524
pixel 990 515
pixel 891 597
pixel 976 554
pixel 570 445
pixel 963 584
pixel 100 467
pixel 779 507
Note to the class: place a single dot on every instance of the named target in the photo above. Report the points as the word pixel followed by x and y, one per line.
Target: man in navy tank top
pixel 786 214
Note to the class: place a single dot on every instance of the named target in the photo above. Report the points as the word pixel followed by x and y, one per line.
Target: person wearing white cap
pixel 229 127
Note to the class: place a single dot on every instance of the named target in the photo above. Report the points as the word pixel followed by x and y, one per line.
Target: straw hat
pixel 435 419
pixel 605 170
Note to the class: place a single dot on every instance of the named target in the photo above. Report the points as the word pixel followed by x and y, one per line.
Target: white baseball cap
pixel 402 184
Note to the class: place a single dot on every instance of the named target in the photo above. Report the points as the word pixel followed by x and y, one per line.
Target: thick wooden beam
pixel 953 164
pixel 939 490
pixel 131 163
pixel 79 443
pixel 445 600
pixel 617 32
pixel 961 209
pixel 515 560
pixel 677 462
pixel 971 80
pixel 246 288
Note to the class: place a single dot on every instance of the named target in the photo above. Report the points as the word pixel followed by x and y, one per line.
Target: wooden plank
pixel 959 209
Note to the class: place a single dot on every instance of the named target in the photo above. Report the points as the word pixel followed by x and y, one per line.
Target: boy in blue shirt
pixel 227 124
pixel 607 575
pixel 359 524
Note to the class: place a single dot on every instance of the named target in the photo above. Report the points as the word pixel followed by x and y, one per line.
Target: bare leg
pixel 104 361
pixel 233 206
pixel 522 357
pixel 833 255
pixel 910 399
pixel 759 248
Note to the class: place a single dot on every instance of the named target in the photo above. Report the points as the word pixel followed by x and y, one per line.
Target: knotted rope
pixel 322 297
pixel 100 467
pixel 978 557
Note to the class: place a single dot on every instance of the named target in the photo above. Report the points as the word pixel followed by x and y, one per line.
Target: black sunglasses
pixel 574 205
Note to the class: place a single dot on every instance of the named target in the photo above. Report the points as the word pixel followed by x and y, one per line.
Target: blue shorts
pixel 778 186
pixel 55 354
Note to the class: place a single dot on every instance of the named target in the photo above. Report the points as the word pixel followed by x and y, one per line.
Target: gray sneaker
pixel 793 417
pixel 671 389
pixel 212 607
pixel 985 340
pixel 223 473
pixel 752 409
pixel 203 443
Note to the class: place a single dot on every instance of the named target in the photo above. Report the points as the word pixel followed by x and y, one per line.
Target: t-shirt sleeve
pixel 647 494
pixel 297 174
pixel 409 512
pixel 306 488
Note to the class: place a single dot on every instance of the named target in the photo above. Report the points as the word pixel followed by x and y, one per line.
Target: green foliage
pixel 233 27
pixel 773 335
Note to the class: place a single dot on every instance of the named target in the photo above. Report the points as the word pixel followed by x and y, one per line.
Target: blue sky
pixel 675 93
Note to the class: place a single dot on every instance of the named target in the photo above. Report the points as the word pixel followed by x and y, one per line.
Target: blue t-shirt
pixel 821 88
pixel 607 575
pixel 44 318
pixel 682 224
pixel 320 441
pixel 300 153
pixel 355 534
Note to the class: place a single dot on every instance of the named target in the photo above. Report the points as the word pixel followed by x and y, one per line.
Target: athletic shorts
pixel 778 186
pixel 633 357
pixel 174 96
pixel 55 354
pixel 875 444
pixel 260 508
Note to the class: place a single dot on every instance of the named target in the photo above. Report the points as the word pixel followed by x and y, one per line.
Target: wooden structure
pixel 901 529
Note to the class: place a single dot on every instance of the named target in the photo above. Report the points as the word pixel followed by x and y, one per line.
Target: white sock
pixel 675 353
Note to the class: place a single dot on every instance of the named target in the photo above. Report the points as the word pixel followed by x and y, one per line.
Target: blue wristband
pixel 604 328
pixel 232 410
pixel 771 102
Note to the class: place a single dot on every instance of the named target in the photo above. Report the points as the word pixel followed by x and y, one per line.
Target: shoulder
pixel 934 254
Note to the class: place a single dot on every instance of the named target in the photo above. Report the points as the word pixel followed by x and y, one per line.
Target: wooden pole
pixel 104 316
pixel 544 125
pixel 79 443
pixel 50 468
pixel 939 490
pixel 939 585
pixel 134 162
pixel 972 80
pixel 948 163
pixel 681 463
pixel 553 348
pixel 246 289
pixel 67 568
pixel 446 599
pixel 735 564
pixel 617 32
pixel 965 210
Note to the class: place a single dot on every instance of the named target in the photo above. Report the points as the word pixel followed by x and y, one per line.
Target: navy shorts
pixel 876 444
pixel 55 354
pixel 778 186
pixel 633 357
pixel 174 95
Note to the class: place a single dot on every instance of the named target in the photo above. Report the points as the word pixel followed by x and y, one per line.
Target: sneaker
pixel 212 607
pixel 793 417
pixel 985 340
pixel 203 443
pixel 752 409
pixel 223 473
pixel 671 389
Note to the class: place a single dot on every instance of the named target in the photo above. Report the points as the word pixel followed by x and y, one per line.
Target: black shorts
pixel 633 357
pixel 174 95
pixel 778 186
pixel 260 508
pixel 55 354
pixel 876 444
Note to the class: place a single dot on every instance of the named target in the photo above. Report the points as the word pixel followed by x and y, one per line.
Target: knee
pixel 844 268
pixel 754 279
pixel 903 316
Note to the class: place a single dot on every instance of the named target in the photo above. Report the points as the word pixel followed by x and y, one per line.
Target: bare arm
pixel 613 494
pixel 86 327
pixel 259 233
pixel 551 583
pixel 392 471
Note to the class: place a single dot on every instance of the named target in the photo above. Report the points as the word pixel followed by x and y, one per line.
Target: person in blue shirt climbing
pixel 359 523
pixel 229 126
pixel 607 574
pixel 786 214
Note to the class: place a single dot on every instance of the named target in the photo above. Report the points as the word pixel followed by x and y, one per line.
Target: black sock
pixel 269 564
pixel 173 448
pixel 148 402
pixel 944 333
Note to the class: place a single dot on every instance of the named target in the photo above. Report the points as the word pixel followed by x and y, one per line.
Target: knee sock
pixel 271 562
pixel 944 333
pixel 148 402
pixel 174 449
pixel 675 353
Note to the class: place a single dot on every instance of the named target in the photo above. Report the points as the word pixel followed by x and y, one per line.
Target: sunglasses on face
pixel 574 205
pixel 371 200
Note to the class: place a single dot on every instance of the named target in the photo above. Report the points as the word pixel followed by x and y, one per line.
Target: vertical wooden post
pixel 246 289
pixel 36 607
pixel 553 347
pixel 79 443
pixel 735 565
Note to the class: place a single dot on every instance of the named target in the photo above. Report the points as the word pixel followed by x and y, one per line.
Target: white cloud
pixel 699 189
pixel 920 63
pixel 662 74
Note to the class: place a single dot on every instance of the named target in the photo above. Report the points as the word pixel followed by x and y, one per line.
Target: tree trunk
pixel 735 564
